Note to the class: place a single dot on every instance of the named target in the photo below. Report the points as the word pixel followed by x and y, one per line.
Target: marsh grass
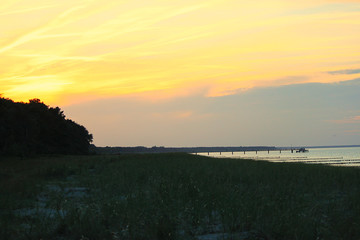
pixel 175 196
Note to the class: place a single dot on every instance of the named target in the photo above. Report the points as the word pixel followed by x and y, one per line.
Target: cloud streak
pixel 354 119
pixel 345 71
pixel 57 21
pixel 27 10
pixel 141 47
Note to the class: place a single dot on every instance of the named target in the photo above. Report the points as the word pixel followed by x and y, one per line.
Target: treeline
pixel 35 128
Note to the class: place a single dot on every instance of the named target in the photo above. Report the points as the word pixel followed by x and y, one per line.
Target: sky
pixel 189 73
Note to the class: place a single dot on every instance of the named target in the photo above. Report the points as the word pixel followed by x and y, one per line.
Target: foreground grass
pixel 175 196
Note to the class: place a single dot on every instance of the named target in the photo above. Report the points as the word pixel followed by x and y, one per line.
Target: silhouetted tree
pixel 35 128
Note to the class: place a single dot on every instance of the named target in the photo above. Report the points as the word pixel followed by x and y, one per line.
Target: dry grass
pixel 175 196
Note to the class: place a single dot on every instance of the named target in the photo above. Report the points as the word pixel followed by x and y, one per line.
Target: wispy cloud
pixel 55 58
pixel 26 10
pixel 354 132
pixel 354 119
pixel 136 47
pixel 326 7
pixel 57 21
pixel 345 71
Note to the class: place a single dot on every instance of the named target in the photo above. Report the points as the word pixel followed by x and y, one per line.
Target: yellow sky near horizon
pixel 70 51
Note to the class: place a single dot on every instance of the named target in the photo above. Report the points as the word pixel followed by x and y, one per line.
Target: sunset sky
pixel 189 72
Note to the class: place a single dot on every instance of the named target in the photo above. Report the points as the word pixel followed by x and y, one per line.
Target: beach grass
pixel 175 196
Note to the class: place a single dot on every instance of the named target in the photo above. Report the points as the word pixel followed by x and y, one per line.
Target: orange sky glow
pixel 66 52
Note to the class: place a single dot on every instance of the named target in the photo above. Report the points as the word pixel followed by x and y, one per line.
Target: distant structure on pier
pixel 302 150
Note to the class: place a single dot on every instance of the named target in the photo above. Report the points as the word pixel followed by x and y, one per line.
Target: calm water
pixel 345 156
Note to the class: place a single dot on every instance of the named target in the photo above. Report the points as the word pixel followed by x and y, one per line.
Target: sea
pixel 336 156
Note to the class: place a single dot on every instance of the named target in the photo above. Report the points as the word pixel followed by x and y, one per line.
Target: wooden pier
pixel 292 150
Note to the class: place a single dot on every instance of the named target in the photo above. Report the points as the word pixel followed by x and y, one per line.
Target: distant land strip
pixel 140 149
pixel 156 149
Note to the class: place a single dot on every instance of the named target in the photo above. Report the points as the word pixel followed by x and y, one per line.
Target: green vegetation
pixel 34 128
pixel 175 196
